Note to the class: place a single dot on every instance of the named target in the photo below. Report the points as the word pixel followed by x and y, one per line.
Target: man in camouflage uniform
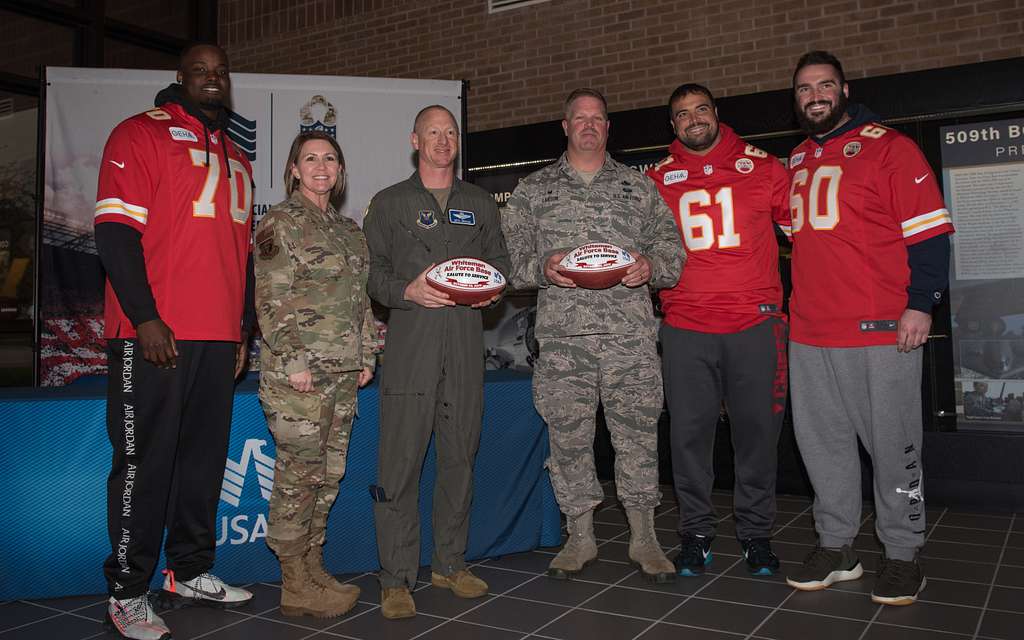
pixel 596 345
pixel 315 316
pixel 432 380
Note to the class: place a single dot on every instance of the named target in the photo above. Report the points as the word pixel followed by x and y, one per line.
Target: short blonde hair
pixel 291 183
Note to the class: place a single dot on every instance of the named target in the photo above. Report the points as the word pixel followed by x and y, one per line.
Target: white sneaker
pixel 134 618
pixel 205 589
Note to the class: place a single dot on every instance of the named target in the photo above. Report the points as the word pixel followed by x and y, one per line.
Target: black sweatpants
pixel 748 370
pixel 169 430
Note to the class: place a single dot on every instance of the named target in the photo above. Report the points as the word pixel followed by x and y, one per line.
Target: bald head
pixel 425 112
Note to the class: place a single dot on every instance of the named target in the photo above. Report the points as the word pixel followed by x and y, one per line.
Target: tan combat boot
pixel 314 560
pixel 579 550
pixel 396 603
pixel 462 583
pixel 644 550
pixel 302 596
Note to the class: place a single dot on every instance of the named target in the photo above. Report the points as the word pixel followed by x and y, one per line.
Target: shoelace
pixel 132 610
pixel 899 569
pixel 209 578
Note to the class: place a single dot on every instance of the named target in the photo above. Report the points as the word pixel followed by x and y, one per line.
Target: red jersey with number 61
pixel 857 202
pixel 725 203
pixel 194 217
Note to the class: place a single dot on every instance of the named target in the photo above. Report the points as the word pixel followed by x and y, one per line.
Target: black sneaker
pixel 824 567
pixel 694 554
pixel 898 582
pixel 758 554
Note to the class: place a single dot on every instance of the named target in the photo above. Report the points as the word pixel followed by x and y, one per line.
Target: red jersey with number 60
pixel 857 202
pixel 194 217
pixel 725 203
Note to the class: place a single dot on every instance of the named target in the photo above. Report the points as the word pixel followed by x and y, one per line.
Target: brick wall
pixel 522 63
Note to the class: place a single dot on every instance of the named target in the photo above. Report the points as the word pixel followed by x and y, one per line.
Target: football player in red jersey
pixel 724 333
pixel 173 228
pixel 870 260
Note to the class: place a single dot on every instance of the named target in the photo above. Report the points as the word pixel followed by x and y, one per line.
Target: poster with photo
pixel 983 167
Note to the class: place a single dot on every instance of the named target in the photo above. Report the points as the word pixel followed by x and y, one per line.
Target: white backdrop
pixel 372 119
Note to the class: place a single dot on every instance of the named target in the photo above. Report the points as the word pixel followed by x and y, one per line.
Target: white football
pixel 596 265
pixel 467 280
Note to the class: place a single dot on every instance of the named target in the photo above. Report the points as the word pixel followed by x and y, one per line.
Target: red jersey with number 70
pixel 194 217
pixel 856 203
pixel 725 203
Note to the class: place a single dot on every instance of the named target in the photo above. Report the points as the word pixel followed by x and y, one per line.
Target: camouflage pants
pixel 311 431
pixel 622 372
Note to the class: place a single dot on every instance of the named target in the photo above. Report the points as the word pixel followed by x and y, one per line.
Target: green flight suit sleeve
pixel 383 284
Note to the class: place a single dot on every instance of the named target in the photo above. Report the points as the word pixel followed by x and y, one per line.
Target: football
pixel 596 265
pixel 467 280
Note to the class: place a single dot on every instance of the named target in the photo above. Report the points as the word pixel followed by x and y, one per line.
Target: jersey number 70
pixel 205 206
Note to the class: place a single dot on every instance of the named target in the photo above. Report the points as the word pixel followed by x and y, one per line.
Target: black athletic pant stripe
pixel 169 432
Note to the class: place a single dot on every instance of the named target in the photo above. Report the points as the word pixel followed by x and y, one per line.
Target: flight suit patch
pixel 426 219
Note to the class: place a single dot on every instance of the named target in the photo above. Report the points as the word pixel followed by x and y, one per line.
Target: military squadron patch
pixel 425 218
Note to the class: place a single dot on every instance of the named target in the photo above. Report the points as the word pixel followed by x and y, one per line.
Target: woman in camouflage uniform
pixel 318 339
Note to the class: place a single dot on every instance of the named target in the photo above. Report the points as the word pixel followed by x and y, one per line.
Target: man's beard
pixel 211 102
pixel 819 127
pixel 705 141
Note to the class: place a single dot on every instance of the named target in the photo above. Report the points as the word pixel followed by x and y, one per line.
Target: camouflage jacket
pixel 311 270
pixel 553 210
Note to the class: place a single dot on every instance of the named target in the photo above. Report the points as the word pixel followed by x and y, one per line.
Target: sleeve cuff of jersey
pixel 927 225
pixel 117 210
pixel 128 222
pixel 298 365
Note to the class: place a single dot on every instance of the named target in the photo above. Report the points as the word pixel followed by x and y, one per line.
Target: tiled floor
pixel 974 564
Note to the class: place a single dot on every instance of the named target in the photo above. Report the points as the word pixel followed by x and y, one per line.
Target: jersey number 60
pixel 820 220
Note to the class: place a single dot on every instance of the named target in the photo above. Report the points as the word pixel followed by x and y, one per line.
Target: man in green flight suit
pixel 432 379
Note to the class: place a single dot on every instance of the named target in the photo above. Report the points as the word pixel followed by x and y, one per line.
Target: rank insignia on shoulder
pixel 425 219
pixel 751 150
pixel 268 249
pixel 458 216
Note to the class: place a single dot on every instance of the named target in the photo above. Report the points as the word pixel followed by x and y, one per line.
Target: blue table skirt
pixel 52 523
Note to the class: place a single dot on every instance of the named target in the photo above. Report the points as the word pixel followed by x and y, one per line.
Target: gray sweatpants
pixel 871 393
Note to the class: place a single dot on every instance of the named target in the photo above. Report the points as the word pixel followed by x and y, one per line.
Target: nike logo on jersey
pixel 119 165
pixel 921 179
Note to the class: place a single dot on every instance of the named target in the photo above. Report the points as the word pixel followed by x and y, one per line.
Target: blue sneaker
pixel 694 555
pixel 758 554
